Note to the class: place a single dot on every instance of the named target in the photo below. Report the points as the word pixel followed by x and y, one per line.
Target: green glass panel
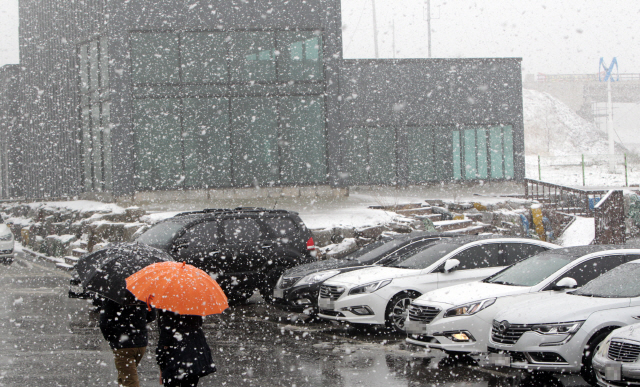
pixel 106 145
pixel 302 141
pixel 104 62
pixel 207 153
pixel 470 170
pixel 252 56
pixel 254 126
pixel 204 57
pixel 495 149
pixel 443 151
pixel 420 154
pixel 155 57
pixel 158 143
pixel 382 155
pixel 356 158
pixel 300 57
pixel 94 77
pixel 86 147
pixel 457 165
pixel 96 143
pixel 507 133
pixel 481 143
pixel 83 68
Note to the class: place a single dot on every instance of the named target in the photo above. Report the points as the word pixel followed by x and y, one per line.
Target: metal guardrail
pixel 565 199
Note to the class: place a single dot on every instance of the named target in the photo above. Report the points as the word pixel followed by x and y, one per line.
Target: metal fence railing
pixel 585 170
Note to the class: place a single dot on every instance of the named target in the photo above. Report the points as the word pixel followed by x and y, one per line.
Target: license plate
pixel 613 371
pixel 278 293
pixel 499 359
pixel 415 327
pixel 325 303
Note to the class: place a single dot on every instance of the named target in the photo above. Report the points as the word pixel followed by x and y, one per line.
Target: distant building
pixel 118 97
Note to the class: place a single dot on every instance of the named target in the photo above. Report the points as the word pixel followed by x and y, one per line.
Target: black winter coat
pixel 182 346
pixel 125 326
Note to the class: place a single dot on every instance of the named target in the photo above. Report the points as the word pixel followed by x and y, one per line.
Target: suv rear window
pixel 284 228
pixel 161 235
pixel 244 230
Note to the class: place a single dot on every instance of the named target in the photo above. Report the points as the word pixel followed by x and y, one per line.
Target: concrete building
pixel 119 97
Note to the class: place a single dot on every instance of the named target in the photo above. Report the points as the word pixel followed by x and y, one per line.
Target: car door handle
pixel 266 245
pixel 214 252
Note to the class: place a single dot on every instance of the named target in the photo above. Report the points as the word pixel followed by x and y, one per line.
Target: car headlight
pixel 568 328
pixel 317 277
pixel 6 237
pixel 470 309
pixel 286 282
pixel 604 346
pixel 370 287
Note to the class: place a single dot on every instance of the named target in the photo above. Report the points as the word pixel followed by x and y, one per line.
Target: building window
pixel 483 153
pixel 372 155
pixel 196 126
pixel 95 111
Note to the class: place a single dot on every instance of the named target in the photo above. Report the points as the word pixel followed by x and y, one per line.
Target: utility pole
pixel 429 27
pixel 608 77
pixel 375 29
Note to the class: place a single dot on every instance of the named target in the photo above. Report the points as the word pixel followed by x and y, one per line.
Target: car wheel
pixel 587 372
pixel 398 310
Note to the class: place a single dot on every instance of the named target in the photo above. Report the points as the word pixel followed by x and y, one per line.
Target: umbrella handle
pixel 149 302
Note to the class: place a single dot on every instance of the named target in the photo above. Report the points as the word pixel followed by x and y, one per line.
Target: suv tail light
pixel 311 246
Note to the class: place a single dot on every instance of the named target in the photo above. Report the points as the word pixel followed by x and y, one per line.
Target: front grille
pixel 623 351
pixel 331 292
pixel 287 282
pixel 6 251
pixel 508 333
pixel 423 314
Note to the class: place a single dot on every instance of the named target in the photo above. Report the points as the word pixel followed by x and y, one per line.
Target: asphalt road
pixel 47 339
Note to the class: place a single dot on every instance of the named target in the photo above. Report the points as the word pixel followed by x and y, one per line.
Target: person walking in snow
pixel 125 329
pixel 183 353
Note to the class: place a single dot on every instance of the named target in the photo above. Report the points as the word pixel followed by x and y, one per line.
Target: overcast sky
pixel 552 36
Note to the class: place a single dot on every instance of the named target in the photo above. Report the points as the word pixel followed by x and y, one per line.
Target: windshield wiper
pixel 502 283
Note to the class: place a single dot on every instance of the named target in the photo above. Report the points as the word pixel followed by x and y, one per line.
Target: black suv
pixel 244 249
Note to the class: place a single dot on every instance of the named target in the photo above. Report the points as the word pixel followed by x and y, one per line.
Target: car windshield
pixel 621 282
pixel 161 235
pixel 424 257
pixel 373 251
pixel 531 271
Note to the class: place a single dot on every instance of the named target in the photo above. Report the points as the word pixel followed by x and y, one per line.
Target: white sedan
pixel 459 318
pixel 562 333
pixel 6 244
pixel 381 295
pixel 617 361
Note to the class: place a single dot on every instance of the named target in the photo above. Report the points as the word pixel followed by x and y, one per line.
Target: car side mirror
pixel 565 283
pixel 451 264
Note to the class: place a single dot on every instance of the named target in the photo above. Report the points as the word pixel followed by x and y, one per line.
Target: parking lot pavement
pixel 47 339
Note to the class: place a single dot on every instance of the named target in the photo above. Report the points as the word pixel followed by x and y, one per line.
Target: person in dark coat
pixel 125 329
pixel 183 353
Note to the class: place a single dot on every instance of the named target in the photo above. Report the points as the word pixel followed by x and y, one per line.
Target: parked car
pixel 298 288
pixel 7 244
pixel 617 360
pixel 562 333
pixel 243 248
pixel 459 318
pixel 381 295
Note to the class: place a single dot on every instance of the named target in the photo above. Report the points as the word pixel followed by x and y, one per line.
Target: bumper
pixel 359 309
pixel 300 299
pixel 6 258
pixel 439 334
pixel 611 373
pixel 527 353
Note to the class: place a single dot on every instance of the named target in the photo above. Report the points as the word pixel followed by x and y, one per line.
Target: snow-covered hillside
pixel 551 128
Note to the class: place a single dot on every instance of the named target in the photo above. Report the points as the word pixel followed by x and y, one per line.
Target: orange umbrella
pixel 178 287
